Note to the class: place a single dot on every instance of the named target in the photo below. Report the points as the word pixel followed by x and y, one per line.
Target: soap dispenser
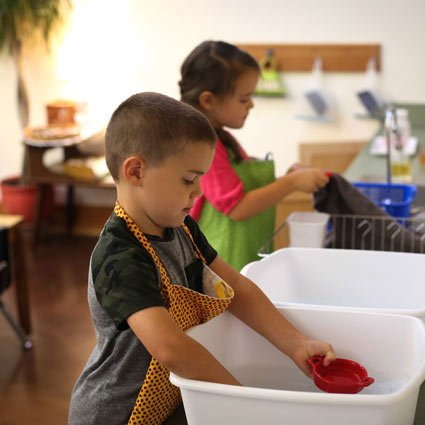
pixel 401 168
pixel 398 162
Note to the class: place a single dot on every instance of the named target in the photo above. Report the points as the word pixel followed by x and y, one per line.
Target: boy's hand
pixel 309 348
pixel 308 180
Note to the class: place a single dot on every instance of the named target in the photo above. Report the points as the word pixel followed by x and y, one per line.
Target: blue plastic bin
pixel 395 199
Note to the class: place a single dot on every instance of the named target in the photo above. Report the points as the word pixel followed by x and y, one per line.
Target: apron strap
pixel 197 251
pixel 140 236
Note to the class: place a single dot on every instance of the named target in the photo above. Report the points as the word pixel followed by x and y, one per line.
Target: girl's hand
pixel 308 180
pixel 309 348
pixel 297 166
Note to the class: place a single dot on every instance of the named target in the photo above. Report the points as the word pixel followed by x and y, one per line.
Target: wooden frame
pixel 335 57
pixel 336 156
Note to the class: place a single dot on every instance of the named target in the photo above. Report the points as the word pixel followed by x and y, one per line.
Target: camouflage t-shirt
pixel 123 279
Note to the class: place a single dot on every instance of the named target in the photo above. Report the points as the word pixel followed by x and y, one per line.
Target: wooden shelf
pixel 335 57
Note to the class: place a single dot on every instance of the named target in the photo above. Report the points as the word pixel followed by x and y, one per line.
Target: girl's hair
pixel 214 66
pixel 154 126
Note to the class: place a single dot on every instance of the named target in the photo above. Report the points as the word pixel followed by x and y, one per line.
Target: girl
pixel 237 209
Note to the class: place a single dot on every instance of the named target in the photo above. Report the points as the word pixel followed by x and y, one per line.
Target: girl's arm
pixel 252 307
pixel 175 350
pixel 256 201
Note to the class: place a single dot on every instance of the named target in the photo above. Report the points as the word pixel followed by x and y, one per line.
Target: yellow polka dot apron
pixel 158 398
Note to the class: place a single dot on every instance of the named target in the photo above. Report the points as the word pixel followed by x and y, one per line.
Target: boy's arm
pixel 175 350
pixel 252 307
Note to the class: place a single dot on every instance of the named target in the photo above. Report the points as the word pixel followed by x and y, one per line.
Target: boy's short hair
pixel 154 126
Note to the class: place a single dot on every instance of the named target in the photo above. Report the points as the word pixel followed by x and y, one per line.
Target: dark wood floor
pixel 35 386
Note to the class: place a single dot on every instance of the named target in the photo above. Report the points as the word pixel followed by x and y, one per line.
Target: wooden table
pixel 36 172
pixel 19 269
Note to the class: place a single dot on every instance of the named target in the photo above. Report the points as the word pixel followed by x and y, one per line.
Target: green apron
pixel 238 242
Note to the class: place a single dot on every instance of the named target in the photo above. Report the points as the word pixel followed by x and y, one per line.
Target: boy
pixel 153 274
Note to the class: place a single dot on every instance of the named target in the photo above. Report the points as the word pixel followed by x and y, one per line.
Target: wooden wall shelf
pixel 335 57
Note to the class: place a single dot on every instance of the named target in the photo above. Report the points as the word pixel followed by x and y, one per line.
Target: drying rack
pixel 377 233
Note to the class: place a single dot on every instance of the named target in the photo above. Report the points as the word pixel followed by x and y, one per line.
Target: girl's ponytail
pixel 229 142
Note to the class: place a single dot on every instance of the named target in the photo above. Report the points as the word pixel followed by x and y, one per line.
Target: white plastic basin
pixel 391 282
pixel 275 392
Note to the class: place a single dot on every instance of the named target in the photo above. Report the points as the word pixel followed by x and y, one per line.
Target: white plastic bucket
pixel 275 391
pixel 338 279
pixel 307 229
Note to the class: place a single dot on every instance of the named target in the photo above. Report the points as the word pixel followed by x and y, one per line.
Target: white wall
pixel 112 49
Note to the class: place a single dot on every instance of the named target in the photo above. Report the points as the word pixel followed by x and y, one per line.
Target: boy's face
pixel 232 110
pixel 168 191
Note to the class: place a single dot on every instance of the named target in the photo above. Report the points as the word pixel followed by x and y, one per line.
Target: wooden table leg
pixel 38 220
pixel 70 211
pixel 20 277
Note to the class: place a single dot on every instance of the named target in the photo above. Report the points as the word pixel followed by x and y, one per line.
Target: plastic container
pixel 395 199
pixel 275 391
pixel 381 281
pixel 22 199
pixel 403 125
pixel 343 376
pixel 307 229
pixel 401 167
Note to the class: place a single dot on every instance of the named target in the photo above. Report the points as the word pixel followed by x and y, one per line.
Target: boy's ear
pixel 133 170
pixel 206 100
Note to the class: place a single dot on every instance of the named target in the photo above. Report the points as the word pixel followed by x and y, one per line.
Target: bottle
pixel 401 168
pixel 403 125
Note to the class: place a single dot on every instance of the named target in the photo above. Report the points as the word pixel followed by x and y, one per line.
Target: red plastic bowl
pixel 341 376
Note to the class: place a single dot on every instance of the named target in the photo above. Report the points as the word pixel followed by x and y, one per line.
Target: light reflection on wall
pixel 96 61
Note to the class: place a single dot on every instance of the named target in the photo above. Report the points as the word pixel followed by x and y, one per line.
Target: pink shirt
pixel 221 185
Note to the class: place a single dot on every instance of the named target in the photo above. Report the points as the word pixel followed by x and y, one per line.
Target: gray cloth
pixel 357 223
pixel 340 197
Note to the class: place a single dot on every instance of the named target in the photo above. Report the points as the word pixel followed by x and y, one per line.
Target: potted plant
pixel 22 21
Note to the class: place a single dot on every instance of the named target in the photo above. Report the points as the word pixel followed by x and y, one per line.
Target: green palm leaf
pixel 22 21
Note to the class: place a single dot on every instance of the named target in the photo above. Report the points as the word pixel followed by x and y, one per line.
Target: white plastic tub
pixel 276 392
pixel 391 282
